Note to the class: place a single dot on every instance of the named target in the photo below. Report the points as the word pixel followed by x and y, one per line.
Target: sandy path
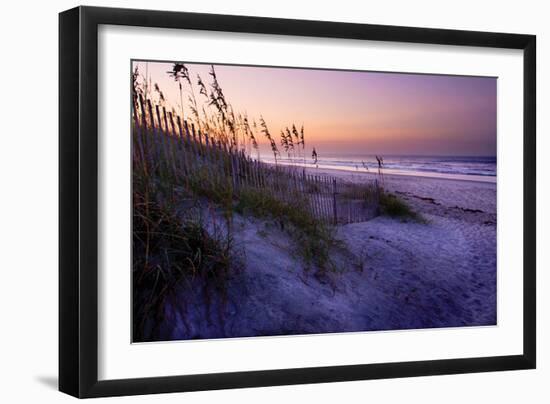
pixel 440 274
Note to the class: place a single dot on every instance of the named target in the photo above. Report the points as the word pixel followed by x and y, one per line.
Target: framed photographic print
pixel 251 201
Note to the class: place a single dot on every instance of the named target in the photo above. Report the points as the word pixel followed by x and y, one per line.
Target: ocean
pixel 436 166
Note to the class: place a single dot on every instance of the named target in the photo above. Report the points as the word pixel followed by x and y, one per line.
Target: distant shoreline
pixel 394 173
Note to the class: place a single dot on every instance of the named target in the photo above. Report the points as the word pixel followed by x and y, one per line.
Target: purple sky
pixel 358 112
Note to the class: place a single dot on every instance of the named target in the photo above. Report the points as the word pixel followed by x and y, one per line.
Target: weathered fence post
pixel 334 210
pixel 182 152
pixel 140 131
pixel 169 138
pixel 162 138
pixel 233 170
pixel 195 137
pixel 190 144
pixel 154 135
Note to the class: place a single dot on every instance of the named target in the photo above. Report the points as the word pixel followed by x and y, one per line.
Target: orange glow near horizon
pixel 351 112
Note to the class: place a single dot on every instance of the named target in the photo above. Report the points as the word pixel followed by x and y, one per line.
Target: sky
pixel 355 112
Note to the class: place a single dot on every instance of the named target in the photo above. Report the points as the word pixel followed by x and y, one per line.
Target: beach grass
pixel 168 247
pixel 393 206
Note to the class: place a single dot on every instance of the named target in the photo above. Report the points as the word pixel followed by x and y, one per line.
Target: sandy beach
pixel 438 273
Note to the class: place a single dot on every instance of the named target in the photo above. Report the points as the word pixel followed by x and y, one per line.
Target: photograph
pixel 275 201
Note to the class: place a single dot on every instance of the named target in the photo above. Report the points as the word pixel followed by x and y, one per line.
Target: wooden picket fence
pixel 165 142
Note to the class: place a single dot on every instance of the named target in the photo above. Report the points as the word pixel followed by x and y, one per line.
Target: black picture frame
pixel 78 201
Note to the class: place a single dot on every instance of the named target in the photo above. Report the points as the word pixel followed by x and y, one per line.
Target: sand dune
pixel 441 273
